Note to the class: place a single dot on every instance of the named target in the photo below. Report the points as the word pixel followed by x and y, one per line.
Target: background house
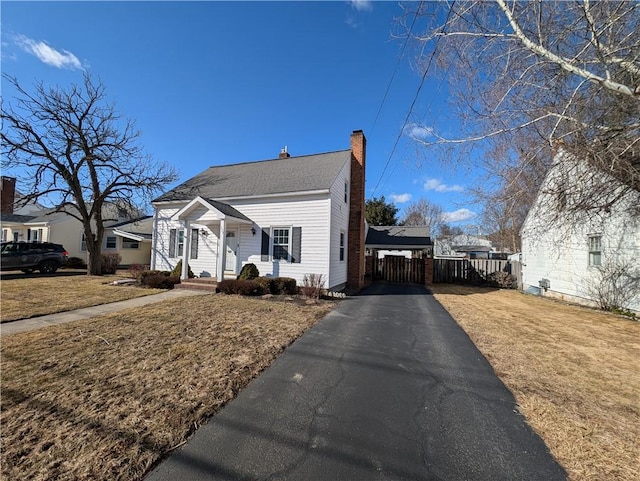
pixel 463 246
pixel 290 216
pixel 565 255
pixel 131 238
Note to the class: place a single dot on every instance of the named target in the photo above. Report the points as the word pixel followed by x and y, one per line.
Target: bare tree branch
pixel 73 152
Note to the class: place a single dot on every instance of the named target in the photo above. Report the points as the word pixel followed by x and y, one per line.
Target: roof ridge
pixel 277 158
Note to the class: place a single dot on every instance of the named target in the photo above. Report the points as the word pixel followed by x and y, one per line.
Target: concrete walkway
pixel 33 323
pixel 386 387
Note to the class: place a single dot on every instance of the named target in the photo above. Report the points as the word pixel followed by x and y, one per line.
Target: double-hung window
pixel 110 242
pixel 281 243
pixel 342 243
pixel 130 243
pixel 176 243
pixel 595 250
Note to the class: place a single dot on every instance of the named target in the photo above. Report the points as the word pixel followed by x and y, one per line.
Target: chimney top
pixel 284 154
pixel 7 194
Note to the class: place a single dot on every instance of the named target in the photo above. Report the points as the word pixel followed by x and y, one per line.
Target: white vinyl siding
pixel 339 222
pixel 205 264
pixel 567 255
pixel 308 213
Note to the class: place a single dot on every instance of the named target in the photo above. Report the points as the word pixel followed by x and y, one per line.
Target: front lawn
pixel 26 296
pixel 575 373
pixel 105 398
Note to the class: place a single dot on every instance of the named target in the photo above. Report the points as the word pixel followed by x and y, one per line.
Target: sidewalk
pixel 33 323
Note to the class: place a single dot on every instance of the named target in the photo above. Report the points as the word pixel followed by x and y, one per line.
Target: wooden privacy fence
pixel 401 269
pixel 474 271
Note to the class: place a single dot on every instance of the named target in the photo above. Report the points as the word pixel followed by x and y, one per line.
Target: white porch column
pixel 184 275
pixel 222 252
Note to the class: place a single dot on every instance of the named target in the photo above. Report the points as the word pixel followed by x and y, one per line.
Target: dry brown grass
pixel 25 297
pixel 106 397
pixel 575 373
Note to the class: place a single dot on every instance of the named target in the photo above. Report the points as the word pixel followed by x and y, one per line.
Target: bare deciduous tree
pixel 529 76
pixel 72 151
pixel 424 213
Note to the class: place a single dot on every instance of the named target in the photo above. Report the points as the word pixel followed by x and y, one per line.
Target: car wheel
pixel 48 267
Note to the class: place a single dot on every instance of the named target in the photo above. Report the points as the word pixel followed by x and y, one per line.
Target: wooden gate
pixel 402 269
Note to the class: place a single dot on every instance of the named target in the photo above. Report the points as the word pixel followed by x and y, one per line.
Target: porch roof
pixel 220 209
pixel 136 236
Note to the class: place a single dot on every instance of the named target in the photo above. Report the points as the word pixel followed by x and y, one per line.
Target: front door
pixel 232 250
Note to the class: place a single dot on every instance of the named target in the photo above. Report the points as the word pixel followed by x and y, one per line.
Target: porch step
pixel 200 284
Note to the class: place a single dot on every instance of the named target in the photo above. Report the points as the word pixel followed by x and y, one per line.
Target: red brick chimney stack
pixel 7 194
pixel 355 261
pixel 284 154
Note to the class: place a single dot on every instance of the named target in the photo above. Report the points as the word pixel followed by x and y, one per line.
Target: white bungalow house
pixel 566 258
pixel 289 216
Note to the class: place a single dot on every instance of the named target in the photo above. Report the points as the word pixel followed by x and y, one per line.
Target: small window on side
pixel 111 242
pixel 595 250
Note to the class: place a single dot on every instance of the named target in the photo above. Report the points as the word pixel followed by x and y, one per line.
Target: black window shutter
pixel 296 245
pixel 264 251
pixel 193 254
pixel 172 243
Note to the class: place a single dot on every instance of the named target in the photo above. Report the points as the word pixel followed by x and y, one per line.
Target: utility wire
pixel 415 98
pixel 395 70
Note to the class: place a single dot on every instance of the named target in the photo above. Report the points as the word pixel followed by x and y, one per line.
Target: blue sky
pixel 212 83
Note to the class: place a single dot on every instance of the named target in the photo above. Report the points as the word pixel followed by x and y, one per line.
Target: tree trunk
pixel 94 251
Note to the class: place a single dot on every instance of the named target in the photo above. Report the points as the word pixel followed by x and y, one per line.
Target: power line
pixel 395 70
pixel 415 98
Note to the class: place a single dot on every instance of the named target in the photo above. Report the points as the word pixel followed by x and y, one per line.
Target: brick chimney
pixel 355 260
pixel 283 153
pixel 7 194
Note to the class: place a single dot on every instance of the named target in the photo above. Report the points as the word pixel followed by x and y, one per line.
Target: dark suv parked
pixel 29 256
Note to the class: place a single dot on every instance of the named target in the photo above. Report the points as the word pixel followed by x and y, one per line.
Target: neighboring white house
pixel 462 246
pixel 565 258
pixel 33 223
pixel 289 216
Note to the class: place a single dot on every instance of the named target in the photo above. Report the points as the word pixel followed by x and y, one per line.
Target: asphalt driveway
pixel 387 386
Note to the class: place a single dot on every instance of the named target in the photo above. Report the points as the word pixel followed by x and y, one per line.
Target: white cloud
pixel 458 215
pixel 48 54
pixel 400 198
pixel 361 5
pixel 439 186
pixel 418 132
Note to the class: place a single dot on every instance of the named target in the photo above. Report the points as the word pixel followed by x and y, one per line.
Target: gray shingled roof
pixel 226 209
pixel 16 218
pixel 398 236
pixel 293 174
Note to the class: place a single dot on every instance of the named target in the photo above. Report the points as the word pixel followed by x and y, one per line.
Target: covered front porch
pixel 212 235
